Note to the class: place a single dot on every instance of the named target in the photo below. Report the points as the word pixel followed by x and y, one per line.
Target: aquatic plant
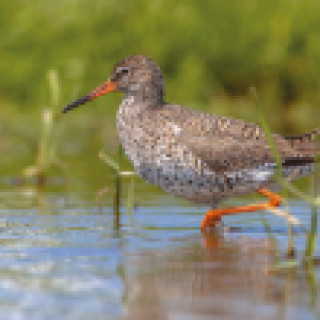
pixel 118 186
pixel 313 200
pixel 49 134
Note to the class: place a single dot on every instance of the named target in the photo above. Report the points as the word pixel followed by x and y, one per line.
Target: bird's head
pixel 135 75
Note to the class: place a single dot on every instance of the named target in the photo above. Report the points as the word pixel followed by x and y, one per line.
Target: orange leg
pixel 212 217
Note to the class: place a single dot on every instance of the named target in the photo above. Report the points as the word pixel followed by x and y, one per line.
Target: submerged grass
pixel 312 236
pixel 278 175
pixel 118 183
pixel 314 200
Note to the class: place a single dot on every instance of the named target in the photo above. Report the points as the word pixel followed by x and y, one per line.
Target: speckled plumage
pixel 201 157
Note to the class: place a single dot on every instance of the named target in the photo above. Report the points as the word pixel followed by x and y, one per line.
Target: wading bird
pixel 198 156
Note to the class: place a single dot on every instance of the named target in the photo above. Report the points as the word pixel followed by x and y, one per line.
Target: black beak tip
pixel 65 109
pixel 76 103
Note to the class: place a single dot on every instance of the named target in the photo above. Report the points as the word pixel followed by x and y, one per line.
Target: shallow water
pixel 62 259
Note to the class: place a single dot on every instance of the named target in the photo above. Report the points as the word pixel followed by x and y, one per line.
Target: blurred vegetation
pixel 211 52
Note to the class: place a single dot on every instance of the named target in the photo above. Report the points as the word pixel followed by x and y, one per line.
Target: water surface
pixel 62 259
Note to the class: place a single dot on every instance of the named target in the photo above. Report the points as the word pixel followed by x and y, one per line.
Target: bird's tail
pixel 307 144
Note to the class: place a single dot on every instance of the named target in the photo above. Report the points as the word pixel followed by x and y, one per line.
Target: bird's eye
pixel 123 70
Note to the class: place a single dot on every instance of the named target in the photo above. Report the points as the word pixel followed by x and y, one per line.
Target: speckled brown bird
pixel 198 156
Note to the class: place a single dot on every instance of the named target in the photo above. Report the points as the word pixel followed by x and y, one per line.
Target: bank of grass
pixel 208 50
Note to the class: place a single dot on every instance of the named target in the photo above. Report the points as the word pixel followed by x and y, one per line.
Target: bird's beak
pixel 105 88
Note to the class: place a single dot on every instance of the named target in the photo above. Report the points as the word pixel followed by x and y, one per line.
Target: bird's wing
pixel 223 143
pixel 228 153
pixel 228 144
pixel 307 144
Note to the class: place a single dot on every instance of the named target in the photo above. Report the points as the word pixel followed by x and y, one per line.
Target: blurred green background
pixel 211 52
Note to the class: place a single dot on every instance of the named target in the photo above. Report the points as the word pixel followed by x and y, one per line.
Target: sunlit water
pixel 62 259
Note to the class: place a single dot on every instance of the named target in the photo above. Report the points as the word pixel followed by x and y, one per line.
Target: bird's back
pixel 199 156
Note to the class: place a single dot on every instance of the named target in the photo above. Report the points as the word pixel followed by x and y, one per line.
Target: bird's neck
pixel 146 95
